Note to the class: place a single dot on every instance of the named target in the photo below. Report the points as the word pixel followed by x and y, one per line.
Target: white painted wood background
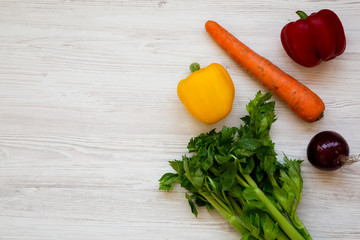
pixel 89 115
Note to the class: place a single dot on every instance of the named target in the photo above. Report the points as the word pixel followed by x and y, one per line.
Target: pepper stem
pixel 301 14
pixel 194 67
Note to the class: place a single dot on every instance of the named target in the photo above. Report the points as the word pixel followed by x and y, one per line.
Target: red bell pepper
pixel 314 38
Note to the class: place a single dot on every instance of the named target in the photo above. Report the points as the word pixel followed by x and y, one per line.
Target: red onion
pixel 329 151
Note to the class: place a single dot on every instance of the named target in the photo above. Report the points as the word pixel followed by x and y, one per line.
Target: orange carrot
pixel 305 103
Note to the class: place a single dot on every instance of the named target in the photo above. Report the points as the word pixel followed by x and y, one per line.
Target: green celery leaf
pixel 200 201
pixel 246 119
pixel 235 191
pixel 255 204
pixel 227 177
pixel 291 183
pixel 223 149
pixel 248 236
pixel 227 134
pixel 267 187
pixel 185 160
pixel 221 159
pixel 251 201
pixel 267 149
pixel 201 152
pixel 261 115
pixel 249 194
pixel 248 143
pixel 270 164
pixel 284 198
pixel 178 166
pixel 215 184
pixel 265 97
pixel 250 165
pixel 200 142
pixel 269 227
pixel 209 158
pixel 289 193
pixel 167 181
pixel 252 222
pixel 191 203
pixel 209 207
pixel 242 153
pixel 197 178
pixel 185 183
pixel 259 174
pixel 294 172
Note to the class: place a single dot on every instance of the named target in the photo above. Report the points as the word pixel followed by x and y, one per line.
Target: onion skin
pixel 326 150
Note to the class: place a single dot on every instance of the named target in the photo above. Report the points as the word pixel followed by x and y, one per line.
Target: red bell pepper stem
pixel 301 14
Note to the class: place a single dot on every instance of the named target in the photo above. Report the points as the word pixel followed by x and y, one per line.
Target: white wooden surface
pixel 89 115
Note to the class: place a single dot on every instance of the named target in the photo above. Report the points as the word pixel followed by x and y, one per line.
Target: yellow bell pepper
pixel 207 93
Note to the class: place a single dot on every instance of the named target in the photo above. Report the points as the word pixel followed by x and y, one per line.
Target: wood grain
pixel 89 116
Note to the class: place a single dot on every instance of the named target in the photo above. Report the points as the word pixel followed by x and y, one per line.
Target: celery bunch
pixel 236 172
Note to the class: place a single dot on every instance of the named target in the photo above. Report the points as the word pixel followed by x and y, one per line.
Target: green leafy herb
pixel 236 172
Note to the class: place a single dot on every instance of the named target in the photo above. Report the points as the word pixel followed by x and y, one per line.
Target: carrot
pixel 305 103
